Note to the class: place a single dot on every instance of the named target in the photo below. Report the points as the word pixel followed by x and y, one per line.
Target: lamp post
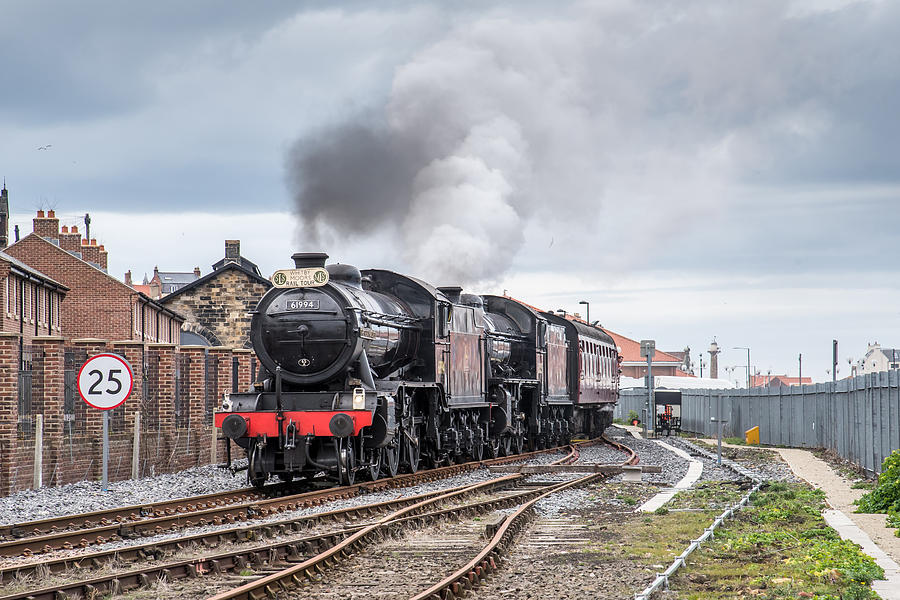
pixel 748 364
pixel 588 304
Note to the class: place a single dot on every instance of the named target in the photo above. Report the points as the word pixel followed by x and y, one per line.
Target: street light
pixel 588 304
pixel 748 364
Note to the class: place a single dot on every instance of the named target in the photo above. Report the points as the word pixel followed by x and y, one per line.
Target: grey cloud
pixel 75 60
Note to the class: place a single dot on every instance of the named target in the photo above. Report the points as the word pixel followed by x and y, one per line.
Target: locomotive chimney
pixel 306 260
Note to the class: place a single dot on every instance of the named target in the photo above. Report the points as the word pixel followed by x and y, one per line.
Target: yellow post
pixel 751 436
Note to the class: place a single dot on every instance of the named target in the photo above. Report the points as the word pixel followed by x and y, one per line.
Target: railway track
pixel 268 548
pixel 273 545
pixel 314 568
pixel 131 522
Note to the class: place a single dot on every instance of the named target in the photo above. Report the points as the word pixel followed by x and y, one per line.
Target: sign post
pixel 648 349
pixel 104 382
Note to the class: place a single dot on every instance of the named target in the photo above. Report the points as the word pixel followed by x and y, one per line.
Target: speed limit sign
pixel 105 381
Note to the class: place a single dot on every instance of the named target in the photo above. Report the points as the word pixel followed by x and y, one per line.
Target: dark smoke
pixel 352 177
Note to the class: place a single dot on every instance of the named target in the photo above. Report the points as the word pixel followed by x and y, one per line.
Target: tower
pixel 714 359
pixel 4 217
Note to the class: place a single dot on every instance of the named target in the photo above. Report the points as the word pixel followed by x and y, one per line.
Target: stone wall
pixel 218 309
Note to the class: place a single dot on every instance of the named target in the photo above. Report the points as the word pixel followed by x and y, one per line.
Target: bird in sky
pixel 47 147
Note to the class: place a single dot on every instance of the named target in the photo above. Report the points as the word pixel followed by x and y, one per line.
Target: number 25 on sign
pixel 105 381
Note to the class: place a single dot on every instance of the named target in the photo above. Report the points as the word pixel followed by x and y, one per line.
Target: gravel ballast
pixel 88 496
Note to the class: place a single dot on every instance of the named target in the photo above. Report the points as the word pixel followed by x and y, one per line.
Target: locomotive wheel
pixel 506 445
pixel 411 451
pixel 255 476
pixel 390 459
pixel 373 460
pixel 478 444
pixel 493 447
pixel 346 461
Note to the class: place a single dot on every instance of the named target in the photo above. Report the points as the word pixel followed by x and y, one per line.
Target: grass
pixel 779 547
pixel 708 494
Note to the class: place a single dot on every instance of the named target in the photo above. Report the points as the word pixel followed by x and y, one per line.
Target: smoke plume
pixel 581 128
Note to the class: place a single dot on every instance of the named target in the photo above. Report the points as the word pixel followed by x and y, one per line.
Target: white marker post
pixel 104 382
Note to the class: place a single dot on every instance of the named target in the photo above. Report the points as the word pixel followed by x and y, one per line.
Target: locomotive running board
pixel 540 469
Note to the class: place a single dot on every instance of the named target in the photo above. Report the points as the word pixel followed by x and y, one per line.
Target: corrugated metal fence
pixel 857 418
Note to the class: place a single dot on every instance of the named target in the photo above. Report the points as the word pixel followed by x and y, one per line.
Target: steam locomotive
pixel 366 373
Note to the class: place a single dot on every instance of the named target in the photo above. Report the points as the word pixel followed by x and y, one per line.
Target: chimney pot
pixel 128 277
pixel 74 228
pixel 65 229
pixel 40 214
pixel 197 271
pixel 93 241
pixel 51 214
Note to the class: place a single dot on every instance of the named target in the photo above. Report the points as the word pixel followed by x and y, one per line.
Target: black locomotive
pixel 364 373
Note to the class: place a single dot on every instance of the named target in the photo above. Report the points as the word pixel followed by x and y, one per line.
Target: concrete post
pixel 214 444
pixel 38 451
pixel 136 447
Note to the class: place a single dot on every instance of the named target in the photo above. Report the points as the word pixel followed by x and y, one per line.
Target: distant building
pixel 217 305
pixel 685 357
pixel 635 366
pixel 879 359
pixel 97 305
pixel 773 381
pixel 164 283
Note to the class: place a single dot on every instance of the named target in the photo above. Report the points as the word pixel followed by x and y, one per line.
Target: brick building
pixel 29 300
pixel 216 306
pixel 97 305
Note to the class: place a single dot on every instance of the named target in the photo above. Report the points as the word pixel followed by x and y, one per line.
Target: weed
pixel 781 543
pixel 662 510
pixel 886 495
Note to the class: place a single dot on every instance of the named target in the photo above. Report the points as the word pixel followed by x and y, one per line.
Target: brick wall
pixel 218 308
pixel 75 453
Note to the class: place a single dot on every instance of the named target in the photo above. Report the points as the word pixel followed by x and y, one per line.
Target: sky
pixel 695 170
